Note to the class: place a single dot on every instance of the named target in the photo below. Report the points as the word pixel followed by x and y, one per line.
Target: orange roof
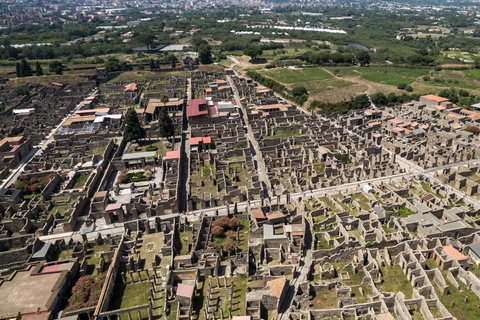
pixel 434 98
pixel 172 155
pixel 131 87
pixel 277 286
pixel 440 107
pixel 452 252
pixel 258 214
pixel 76 119
pixel 395 121
pixel 467 111
pixel 208 90
pixel 452 115
pixel 101 110
pixel 198 140
pixel 277 215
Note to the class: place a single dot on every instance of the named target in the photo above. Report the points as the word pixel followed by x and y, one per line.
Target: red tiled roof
pixel 277 286
pixel 258 214
pixel 199 140
pixel 395 121
pixel 172 155
pixel 131 87
pixel 100 110
pixel 428 197
pixel 452 252
pixel 184 290
pixel 113 206
pixel 51 268
pixel 434 98
pixel 193 108
pixel 277 215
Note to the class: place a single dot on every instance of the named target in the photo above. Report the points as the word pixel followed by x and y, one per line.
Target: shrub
pixel 473 129
pixel 401 86
pixel 438 68
pixel 426 78
pixel 218 231
pixel 151 148
pixel 409 88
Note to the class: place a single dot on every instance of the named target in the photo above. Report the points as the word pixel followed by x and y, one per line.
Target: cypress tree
pixel 38 69
pixel 133 128
pixel 165 125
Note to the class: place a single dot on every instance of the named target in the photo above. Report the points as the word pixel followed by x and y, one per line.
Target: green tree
pixel 21 91
pixel 23 69
pixel 165 125
pixel 173 60
pixel 253 51
pixel 379 99
pixel 146 38
pixel 299 90
pixel 363 58
pixel 56 66
pixel 133 128
pixel 38 69
pixel 151 64
pixel 205 54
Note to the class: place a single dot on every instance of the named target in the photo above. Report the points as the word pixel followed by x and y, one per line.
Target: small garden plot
pixel 394 280
pixel 129 177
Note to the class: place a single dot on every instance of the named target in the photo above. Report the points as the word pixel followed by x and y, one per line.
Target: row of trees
pixel 321 57
pixel 23 68
pixel 359 102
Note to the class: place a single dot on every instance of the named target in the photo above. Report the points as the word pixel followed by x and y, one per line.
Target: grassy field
pixel 388 76
pixel 326 84
pixel 394 280
pixel 290 76
pixel 454 302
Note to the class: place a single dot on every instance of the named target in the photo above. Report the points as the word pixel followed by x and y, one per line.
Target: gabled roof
pixel 434 98
pixel 454 253
pixel 172 155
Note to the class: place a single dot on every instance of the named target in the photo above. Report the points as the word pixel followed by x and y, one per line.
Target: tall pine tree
pixel 165 125
pixel 38 69
pixel 133 128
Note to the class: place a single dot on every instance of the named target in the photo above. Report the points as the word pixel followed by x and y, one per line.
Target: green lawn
pixel 394 280
pixel 404 212
pixel 80 180
pixel 473 73
pixel 290 76
pixel 454 302
pixel 326 84
pixel 244 231
pixel 129 296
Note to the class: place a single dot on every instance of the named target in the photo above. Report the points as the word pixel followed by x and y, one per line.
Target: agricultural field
pixel 292 76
